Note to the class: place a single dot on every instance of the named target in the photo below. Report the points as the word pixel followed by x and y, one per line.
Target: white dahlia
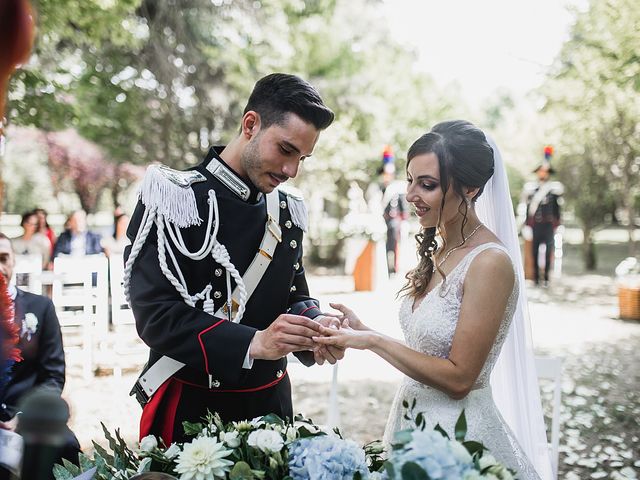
pixel 203 459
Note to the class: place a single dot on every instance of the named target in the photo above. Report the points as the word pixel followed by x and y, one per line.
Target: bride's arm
pixel 487 288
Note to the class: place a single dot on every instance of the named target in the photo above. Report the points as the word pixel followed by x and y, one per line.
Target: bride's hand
pixel 347 314
pixel 345 337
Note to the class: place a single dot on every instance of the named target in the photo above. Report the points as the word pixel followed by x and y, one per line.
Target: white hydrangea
pixel 267 441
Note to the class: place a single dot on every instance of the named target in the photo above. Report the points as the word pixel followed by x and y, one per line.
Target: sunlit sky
pixel 483 45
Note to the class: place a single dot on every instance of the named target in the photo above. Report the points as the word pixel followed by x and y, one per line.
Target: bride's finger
pixel 340 307
pixel 328 330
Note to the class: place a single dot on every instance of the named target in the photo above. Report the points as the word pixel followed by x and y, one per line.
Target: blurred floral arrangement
pixel 269 448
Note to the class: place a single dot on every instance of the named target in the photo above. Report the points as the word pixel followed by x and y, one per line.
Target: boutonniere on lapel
pixel 29 325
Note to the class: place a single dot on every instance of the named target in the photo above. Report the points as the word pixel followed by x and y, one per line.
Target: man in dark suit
pixel 76 238
pixel 213 224
pixel 40 345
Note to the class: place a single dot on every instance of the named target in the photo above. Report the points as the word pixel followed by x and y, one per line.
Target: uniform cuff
pixel 248 361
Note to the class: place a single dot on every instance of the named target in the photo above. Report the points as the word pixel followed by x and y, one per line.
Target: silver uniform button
pixel 293 289
pixel 288 224
pixel 217 294
pixel 217 272
pixel 279 374
pixel 296 265
pixel 293 244
pixel 215 383
pixel 283 204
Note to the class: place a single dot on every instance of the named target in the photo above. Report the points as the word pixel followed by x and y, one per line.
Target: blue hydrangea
pixel 434 453
pixel 326 457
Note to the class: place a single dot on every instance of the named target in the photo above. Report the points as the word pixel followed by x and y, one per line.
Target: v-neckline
pixel 414 307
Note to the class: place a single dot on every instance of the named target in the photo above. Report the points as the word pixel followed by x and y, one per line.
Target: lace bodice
pixel 431 327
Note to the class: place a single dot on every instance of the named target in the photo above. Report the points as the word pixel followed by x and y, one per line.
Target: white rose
pixel 148 444
pixel 231 439
pixel 487 461
pixel 172 451
pixel 266 440
pixel 144 465
pixel 460 453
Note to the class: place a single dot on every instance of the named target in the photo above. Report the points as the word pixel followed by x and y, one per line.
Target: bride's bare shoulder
pixel 492 264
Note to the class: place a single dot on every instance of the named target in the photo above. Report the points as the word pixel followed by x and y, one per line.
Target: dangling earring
pixel 468 200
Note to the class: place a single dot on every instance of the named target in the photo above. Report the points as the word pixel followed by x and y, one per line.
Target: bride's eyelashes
pixel 424 185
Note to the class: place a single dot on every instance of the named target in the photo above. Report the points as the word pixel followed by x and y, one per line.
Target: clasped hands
pixel 295 333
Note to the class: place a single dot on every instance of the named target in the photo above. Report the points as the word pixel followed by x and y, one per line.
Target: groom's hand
pixel 329 353
pixel 288 333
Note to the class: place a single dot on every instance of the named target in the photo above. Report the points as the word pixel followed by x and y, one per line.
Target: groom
pixel 200 359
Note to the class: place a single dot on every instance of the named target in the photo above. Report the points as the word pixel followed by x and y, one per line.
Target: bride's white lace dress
pixel 430 329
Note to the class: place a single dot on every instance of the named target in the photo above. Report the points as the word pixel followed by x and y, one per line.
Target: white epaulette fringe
pixel 169 192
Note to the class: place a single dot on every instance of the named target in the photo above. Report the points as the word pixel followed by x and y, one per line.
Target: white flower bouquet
pixel 269 448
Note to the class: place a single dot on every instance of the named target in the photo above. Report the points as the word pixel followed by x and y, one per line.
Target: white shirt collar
pixel 13 291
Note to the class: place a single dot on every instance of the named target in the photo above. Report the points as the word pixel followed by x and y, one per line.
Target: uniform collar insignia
pixel 226 176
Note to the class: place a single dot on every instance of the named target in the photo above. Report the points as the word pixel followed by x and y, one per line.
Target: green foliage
pixel 593 108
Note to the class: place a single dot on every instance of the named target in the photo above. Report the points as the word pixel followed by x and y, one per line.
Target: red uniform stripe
pixel 244 390
pixel 204 352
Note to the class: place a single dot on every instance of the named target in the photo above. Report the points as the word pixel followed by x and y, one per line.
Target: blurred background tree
pixel 593 112
pixel 147 81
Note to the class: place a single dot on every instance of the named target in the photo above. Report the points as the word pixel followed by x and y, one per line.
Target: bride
pixel 459 301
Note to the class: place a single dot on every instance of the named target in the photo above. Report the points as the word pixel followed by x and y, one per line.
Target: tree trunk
pixel 588 249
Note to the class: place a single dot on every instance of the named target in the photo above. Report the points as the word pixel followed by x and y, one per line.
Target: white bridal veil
pixel 514 381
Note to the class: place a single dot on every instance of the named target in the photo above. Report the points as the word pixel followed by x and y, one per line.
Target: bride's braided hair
pixel 465 159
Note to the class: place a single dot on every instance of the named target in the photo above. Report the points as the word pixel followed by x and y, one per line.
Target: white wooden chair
pixel 80 296
pixel 551 368
pixel 121 313
pixel 26 273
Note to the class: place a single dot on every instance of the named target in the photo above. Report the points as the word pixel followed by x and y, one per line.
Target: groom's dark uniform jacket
pixel 212 348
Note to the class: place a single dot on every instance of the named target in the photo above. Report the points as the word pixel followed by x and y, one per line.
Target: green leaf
pixel 72 468
pixel 440 430
pixel 273 419
pixel 474 447
pixel 391 472
pixel 461 427
pixel 192 429
pixel 413 471
pixel 241 471
pixel 100 451
pixel 86 463
pixel 61 473
pixel 405 404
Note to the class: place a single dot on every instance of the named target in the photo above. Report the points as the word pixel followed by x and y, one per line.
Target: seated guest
pixel 32 242
pixel 114 245
pixel 45 229
pixel 76 239
pixel 42 364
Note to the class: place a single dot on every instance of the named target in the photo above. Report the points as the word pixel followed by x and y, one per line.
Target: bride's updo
pixel 465 159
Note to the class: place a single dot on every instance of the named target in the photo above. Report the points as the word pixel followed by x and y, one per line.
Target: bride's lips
pixel 421 211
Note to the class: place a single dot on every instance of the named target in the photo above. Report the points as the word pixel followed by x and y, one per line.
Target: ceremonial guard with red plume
pixel 543 200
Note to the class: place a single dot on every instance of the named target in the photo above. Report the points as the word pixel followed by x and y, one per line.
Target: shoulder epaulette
pixel 169 192
pixel 556 188
pixel 297 207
